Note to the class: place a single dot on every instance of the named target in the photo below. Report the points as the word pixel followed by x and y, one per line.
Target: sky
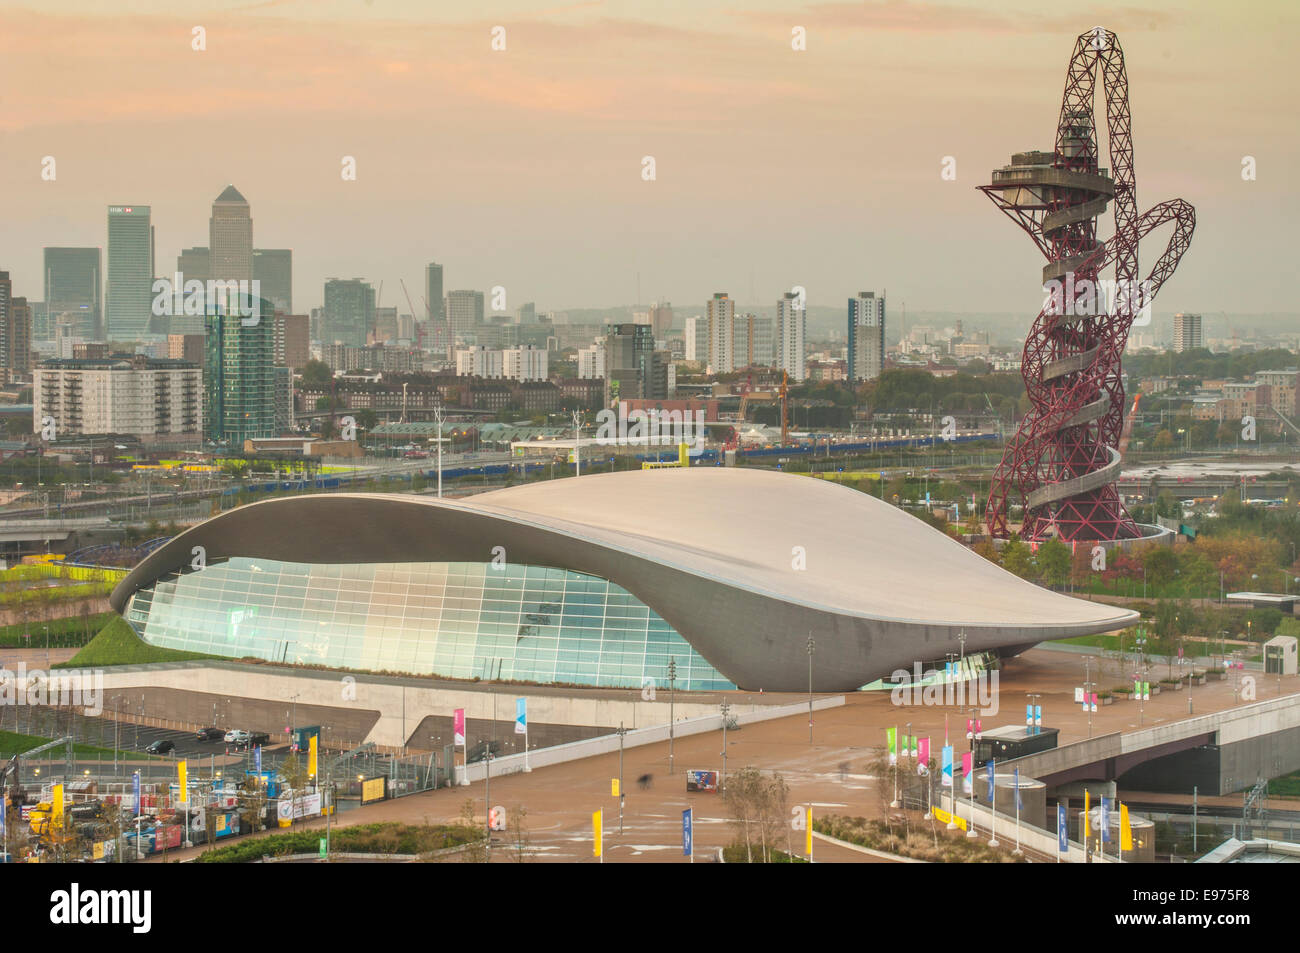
pixel 523 168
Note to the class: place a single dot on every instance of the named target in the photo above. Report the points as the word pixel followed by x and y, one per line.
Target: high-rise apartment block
pixel 633 368
pixel 866 336
pixel 721 314
pixel 1187 332
pixel 148 397
pixel 791 328
pixel 239 376
pixel 465 315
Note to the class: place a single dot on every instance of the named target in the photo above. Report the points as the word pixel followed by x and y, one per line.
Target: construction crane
pixel 419 325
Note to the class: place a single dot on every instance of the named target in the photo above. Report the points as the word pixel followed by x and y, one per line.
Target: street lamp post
pixel 811 646
pixel 725 709
pixel 672 697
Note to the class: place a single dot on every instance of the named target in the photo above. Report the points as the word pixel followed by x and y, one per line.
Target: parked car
pixel 236 736
pixel 161 746
pixel 254 739
pixel 209 734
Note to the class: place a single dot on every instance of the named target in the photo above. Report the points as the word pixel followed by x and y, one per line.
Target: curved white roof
pixel 743 526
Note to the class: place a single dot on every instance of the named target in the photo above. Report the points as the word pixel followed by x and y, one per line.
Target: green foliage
pixel 1054 562
pixel 936 846
pixel 316 374
pixel 117 644
pixel 382 838
pixel 64 633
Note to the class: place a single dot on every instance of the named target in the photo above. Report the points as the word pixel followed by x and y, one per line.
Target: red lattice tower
pixel 1064 460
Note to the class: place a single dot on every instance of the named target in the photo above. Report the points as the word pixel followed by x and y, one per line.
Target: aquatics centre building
pixel 598 580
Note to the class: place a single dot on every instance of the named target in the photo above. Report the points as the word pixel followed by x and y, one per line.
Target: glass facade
pixel 457 620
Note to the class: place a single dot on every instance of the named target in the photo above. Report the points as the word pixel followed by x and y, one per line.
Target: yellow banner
pixel 1125 829
pixel 613 786
pixel 372 790
pixel 942 815
pixel 56 806
pixel 311 756
pixel 183 778
pixel 596 831
pixel 1087 824
pixel 97 851
pixel 808 849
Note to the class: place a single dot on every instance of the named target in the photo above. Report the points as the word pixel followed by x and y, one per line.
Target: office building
pixel 633 368
pixel 292 341
pixel 866 336
pixel 433 294
pixel 349 312
pixel 465 315
pixel 129 293
pixel 16 346
pixel 591 362
pixel 230 238
pixel 273 270
pixel 185 347
pixel 73 286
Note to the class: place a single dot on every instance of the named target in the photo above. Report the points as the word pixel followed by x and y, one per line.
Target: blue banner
pixel 1020 805
pixel 1029 714
pixel 1038 714
pixel 687 832
pixel 1105 821
pixel 947 766
pixel 257 759
pixel 992 774
pixel 4 802
pixel 135 794
pixel 1061 833
pixel 521 716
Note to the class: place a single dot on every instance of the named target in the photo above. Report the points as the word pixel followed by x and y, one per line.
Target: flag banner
pixel 1104 821
pixel 1125 830
pixel 1038 714
pixel 1020 804
pixel 947 766
pixel 1029 714
pixel 925 751
pixel 1094 701
pixel 56 805
pixel 970 728
pixel 913 748
pixel 613 787
pixel 993 773
pixel 979 728
pixel 808 825
pixel 183 776
pixel 313 757
pixel 1087 817
pixel 4 833
pixel 967 764
pixel 458 726
pixel 257 759
pixel 596 832
pixel 1078 694
pixel 687 822
pixel 1062 835
pixel 892 735
pixel 521 716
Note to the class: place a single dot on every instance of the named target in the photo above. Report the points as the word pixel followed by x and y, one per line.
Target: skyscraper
pixel 866 336
pixel 17 355
pixel 130 273
pixel 433 292
pixel 273 269
pixel 349 312
pixel 72 286
pixel 791 326
pixel 230 238
pixel 661 319
pixel 1187 332
pixel 721 317
pixel 239 382
pixel 633 368
pixel 464 315
pixel 194 264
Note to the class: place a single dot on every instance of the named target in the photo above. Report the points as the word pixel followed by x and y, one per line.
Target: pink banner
pixel 966 763
pixel 458 726
pixel 925 750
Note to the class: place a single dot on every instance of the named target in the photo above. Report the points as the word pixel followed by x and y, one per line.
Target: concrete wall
pixel 390 711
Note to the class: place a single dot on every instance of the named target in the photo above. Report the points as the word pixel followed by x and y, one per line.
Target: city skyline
pixel 540 189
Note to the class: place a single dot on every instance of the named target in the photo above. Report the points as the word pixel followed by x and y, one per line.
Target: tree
pixel 316 374
pixel 1054 562
pixel 1017 558
pixel 759 809
pixel 1159 563
pixel 1164 440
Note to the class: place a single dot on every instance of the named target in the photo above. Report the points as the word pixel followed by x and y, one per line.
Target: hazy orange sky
pixel 522 168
